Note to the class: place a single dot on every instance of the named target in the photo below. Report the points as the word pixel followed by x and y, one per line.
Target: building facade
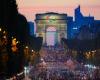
pixel 52 27
pixel 31 28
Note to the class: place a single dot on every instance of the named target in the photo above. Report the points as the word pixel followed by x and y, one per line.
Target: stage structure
pixel 52 27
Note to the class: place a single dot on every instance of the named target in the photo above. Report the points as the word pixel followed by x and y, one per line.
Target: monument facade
pixel 52 27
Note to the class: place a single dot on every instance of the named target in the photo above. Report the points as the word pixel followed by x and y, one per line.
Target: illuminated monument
pixel 52 27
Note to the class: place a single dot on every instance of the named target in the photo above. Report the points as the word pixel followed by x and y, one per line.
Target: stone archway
pixel 49 24
pixel 51 36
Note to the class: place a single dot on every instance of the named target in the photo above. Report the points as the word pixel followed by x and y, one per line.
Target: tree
pixel 16 26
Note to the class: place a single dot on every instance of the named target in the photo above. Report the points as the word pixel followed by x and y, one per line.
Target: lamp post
pixel 0 29
pixel 14 45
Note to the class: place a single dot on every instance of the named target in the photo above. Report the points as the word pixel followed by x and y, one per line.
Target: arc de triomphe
pixel 51 26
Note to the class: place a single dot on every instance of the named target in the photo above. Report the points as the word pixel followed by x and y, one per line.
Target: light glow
pixel 90 66
pixel 50 36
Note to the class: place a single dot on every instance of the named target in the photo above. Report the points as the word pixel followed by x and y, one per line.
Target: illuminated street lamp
pixel 26 50
pixel 88 55
pixel 14 42
pixel 4 32
pixel 32 50
pixel 14 45
pixel 0 29
pixel 26 47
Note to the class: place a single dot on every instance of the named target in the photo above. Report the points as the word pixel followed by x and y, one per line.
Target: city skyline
pixel 31 7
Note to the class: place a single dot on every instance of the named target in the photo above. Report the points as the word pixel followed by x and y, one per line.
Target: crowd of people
pixel 52 67
pixel 55 55
pixel 63 74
